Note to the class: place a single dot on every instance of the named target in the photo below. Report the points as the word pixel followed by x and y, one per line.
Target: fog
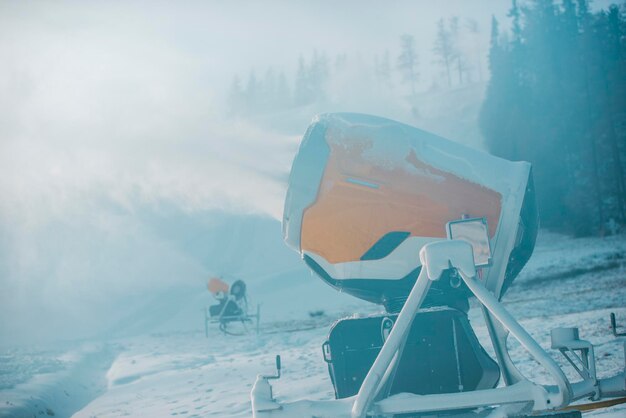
pixel 126 168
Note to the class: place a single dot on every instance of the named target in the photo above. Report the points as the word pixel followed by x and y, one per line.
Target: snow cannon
pixel 217 286
pixel 366 194
pixel 406 219
pixel 232 310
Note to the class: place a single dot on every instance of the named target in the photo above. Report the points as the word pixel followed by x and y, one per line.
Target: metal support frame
pixel 519 396
pixel 566 340
pixel 223 319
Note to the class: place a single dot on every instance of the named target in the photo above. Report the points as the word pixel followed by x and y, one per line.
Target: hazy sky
pixel 226 37
pixel 127 96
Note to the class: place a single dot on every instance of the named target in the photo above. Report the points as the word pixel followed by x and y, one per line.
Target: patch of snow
pixel 182 373
pixel 77 378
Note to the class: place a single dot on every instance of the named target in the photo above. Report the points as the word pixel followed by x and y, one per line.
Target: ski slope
pixel 568 282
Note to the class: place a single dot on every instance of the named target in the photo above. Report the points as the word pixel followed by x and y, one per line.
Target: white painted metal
pixel 489 301
pixel 523 392
pixel 568 342
pixel 506 401
pixel 398 334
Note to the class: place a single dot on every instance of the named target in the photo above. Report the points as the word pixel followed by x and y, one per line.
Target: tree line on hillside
pixel 557 98
pixel 456 49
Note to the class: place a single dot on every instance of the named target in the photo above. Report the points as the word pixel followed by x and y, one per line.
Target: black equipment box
pixel 441 354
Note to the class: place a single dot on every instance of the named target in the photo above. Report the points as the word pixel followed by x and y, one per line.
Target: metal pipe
pixel 505 318
pixel 519 393
pixel 399 332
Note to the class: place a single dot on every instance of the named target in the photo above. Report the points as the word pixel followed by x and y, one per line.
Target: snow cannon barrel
pixel 217 285
pixel 366 194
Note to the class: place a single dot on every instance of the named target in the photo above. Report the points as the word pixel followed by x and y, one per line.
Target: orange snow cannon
pixel 366 194
pixel 400 217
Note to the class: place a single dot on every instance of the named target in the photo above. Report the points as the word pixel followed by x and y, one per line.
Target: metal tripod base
pixel 521 396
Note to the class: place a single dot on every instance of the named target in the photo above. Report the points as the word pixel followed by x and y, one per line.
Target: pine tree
pixel 474 31
pixel 612 62
pixel 302 90
pixel 444 49
pixel 267 95
pixel 457 54
pixel 252 93
pixel 311 80
pixel 283 93
pixel 318 75
pixel 236 100
pixel 556 98
pixel 407 62
pixel 382 71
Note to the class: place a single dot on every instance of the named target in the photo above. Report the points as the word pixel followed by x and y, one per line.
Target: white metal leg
pixel 490 302
pixel 398 334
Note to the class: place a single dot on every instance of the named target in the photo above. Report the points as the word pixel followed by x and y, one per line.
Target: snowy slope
pixel 68 383
pixel 568 282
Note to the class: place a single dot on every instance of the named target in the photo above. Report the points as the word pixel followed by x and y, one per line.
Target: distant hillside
pixel 452 114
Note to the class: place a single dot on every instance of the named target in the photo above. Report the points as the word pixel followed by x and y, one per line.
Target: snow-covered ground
pixel 568 282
